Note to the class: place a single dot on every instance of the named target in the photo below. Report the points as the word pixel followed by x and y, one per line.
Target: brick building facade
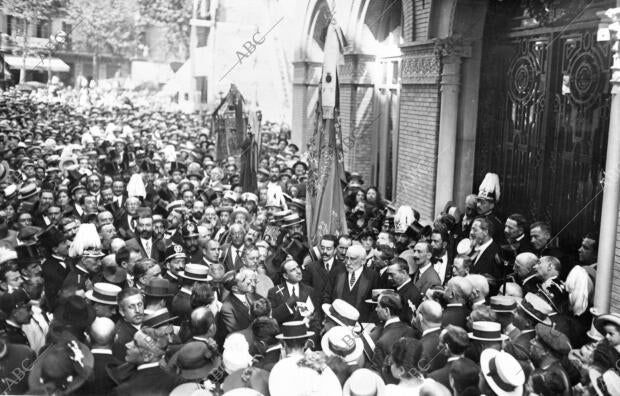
pixel 417 96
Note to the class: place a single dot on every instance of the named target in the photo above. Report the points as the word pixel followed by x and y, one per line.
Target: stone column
pixel 306 77
pixel 451 59
pixel 611 193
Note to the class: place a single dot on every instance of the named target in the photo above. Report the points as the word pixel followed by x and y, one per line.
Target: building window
pixel 43 29
pixel 67 28
pixel 14 26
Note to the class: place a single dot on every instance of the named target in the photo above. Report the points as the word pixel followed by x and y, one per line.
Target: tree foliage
pixel 105 26
pixel 175 15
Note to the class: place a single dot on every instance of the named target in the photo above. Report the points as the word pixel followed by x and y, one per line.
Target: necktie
pixel 295 291
pixel 147 247
pixel 352 280
pixel 327 267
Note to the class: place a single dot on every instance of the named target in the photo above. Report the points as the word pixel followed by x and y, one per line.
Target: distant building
pixel 68 62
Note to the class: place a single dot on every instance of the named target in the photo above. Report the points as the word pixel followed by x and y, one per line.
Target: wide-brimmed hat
pixel 487 331
pixel 502 372
pixel 158 287
pixel 294 330
pixel 342 312
pixel 103 293
pixel 504 304
pixel 158 318
pixel 68 364
pixel 610 318
pixel 197 272
pixel 76 311
pixel 28 191
pixel 364 382
pixel 291 220
pixel 537 308
pixel 340 341
pixel 605 384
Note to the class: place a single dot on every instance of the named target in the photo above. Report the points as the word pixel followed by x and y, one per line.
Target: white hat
pixel 197 272
pixel 502 372
pixel 364 382
pixel 342 313
pixel 86 239
pixel 487 331
pixel 403 218
pixel 607 383
pixel 340 341
pixel 103 293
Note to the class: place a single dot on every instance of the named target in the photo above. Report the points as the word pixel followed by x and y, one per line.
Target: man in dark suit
pixel 144 241
pixel 131 309
pixel 355 285
pixel 146 349
pixel 442 256
pixel 181 303
pixel 487 258
pixel 284 298
pixel 14 358
pixel 425 277
pixel 398 277
pixel 389 309
pixel 117 206
pixel 456 341
pixel 540 236
pixel 54 269
pixel 428 321
pixel 515 232
pixel 17 313
pixel 102 333
pixel 126 224
pixel 456 294
pixel 235 312
pixel 233 252
pixel 321 274
pixel 525 274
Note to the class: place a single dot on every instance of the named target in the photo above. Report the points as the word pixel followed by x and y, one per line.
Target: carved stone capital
pixel 306 73
pixel 420 69
pixel 357 69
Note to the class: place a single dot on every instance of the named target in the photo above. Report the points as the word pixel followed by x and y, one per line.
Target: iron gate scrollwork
pixel 543 120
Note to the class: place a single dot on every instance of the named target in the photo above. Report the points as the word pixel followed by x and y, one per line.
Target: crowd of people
pixel 133 263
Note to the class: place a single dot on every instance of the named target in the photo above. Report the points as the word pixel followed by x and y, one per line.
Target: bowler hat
pixel 294 330
pixel 27 254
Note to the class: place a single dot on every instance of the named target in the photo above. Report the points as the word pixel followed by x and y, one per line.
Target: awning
pixel 42 64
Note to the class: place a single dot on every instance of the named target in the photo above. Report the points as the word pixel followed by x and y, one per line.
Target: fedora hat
pixel 340 341
pixel 61 368
pixel 342 313
pixel 103 293
pixel 294 330
pixel 197 272
pixel 502 372
pixel 28 191
pixel 195 360
pixel 76 311
pixel 114 274
pixel 487 331
pixel 537 308
pixel 364 382
pixel 503 304
pixel 158 287
pixel 158 318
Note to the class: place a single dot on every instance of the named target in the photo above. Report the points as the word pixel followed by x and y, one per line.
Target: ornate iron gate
pixel 542 124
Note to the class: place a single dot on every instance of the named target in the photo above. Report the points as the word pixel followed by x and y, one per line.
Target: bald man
pixel 355 285
pixel 525 273
pixel 428 320
pixel 480 290
pixel 457 292
pixel 102 333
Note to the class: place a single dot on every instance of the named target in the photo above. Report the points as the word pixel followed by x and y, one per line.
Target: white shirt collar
pixel 241 296
pixel 358 273
pixel 148 365
pixel 290 287
pixel 425 332
pixel 403 285
pixel 329 263
pixel 481 302
pixel 426 267
pixel 186 290
pixel 483 247
pixel 101 351
pixel 390 321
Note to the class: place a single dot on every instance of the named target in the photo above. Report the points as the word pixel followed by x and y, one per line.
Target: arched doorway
pixel 544 114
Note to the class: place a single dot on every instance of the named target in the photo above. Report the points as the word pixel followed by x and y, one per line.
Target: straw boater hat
pixel 196 272
pixel 607 383
pixel 537 308
pixel 340 341
pixel 342 313
pixel 502 372
pixel 487 331
pixel 603 320
pixel 103 293
pixel 364 382
pixel 504 304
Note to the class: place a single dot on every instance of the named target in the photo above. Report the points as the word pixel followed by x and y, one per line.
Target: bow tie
pixel 436 260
